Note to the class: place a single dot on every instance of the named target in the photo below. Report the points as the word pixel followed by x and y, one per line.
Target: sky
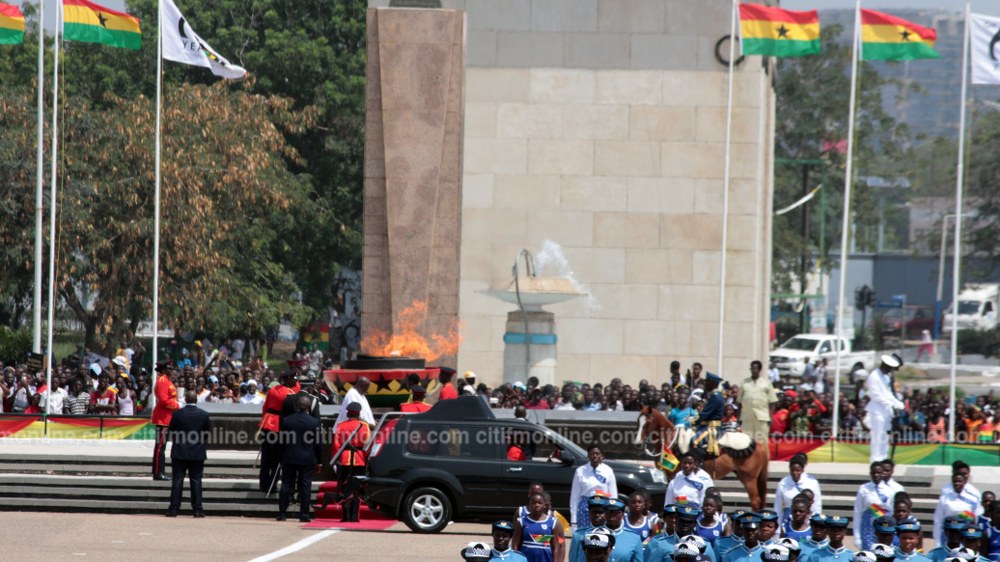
pixel 990 7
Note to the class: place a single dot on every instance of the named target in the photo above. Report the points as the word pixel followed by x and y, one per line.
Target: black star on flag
pixel 783 32
pixel 383 383
pixel 102 19
pixel 905 34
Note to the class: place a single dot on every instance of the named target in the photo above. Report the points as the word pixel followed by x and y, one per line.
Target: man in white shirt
pixel 252 397
pixel 882 402
pixel 773 373
pixel 357 394
pixel 689 485
pixel 53 400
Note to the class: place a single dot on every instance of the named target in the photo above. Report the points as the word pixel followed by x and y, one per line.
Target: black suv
pixel 450 464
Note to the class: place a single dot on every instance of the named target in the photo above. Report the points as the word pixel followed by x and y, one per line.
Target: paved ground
pixel 57 537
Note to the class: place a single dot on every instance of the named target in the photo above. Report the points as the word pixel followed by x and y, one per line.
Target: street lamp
pixel 940 283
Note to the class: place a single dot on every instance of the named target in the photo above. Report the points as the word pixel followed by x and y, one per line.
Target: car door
pixel 544 464
pixel 469 452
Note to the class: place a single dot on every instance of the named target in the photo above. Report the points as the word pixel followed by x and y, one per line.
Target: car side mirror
pixel 567 458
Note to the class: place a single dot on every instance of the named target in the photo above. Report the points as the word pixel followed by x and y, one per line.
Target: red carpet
pixel 370 525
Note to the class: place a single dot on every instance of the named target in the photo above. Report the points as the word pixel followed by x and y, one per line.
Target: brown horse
pixel 655 428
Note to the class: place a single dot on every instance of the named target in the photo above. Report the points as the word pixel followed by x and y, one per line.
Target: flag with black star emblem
pixel 773 32
pixel 91 23
pixel 886 37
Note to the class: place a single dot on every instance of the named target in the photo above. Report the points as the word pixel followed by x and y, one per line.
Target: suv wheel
pixel 426 510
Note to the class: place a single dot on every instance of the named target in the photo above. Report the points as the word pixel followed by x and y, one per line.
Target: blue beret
pixel 750 521
pixel 909 524
pixel 687 512
pixel 597 501
pixel 713 377
pixel 737 513
pixel 818 519
pixel 883 551
pixel 775 553
pixel 836 521
pixel 503 526
pixel 670 508
pixel 885 524
pixel 972 533
pixel 954 524
pixel 767 515
pixel 614 504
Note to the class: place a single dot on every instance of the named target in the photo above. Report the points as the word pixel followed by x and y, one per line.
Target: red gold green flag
pixel 774 32
pixel 11 25
pixel 85 21
pixel 885 37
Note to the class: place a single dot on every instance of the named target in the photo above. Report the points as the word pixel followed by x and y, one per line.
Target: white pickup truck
pixel 791 357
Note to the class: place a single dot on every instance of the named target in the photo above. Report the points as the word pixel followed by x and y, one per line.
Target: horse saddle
pixel 733 443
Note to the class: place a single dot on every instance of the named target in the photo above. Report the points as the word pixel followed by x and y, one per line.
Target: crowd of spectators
pixel 85 384
pixel 231 373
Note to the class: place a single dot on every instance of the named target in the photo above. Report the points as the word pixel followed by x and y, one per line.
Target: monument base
pixel 530 353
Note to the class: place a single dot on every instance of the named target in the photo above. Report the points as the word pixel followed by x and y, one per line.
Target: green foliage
pixel 811 118
pixel 262 179
pixel 979 342
pixel 14 344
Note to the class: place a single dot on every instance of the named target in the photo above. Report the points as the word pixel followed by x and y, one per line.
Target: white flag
pixel 181 44
pixel 985 49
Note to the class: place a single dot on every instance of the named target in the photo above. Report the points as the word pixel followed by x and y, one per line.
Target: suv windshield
pixel 968 307
pixel 800 344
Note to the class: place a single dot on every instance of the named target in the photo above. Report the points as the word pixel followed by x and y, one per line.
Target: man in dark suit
pixel 189 431
pixel 301 437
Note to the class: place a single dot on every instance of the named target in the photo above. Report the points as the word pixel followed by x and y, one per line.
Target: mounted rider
pixel 707 426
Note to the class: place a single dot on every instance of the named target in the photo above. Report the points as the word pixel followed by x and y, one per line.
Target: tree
pixel 982 180
pixel 811 124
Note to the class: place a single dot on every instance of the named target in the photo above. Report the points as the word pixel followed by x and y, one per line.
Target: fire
pixel 407 339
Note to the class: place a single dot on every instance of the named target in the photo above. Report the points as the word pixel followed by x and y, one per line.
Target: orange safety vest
pixel 271 418
pixel 352 454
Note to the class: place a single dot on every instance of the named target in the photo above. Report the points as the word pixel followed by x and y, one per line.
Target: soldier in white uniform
pixel 882 402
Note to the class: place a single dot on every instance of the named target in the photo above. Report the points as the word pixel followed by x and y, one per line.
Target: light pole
pixel 940 282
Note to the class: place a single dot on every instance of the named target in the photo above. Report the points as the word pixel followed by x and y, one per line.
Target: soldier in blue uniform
pixel 953 527
pixel 972 539
pixel 834 551
pixel 668 535
pixel 768 533
pixel 708 422
pixel 910 539
pixel 595 514
pixel 817 524
pixel 727 543
pixel 750 549
pixel 503 532
pixel 661 550
pixel 628 545
pixel 885 530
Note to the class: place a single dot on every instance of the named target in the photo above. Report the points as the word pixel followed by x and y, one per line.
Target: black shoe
pixel 171 513
pixel 160 477
pixel 305 519
pixel 280 517
pixel 199 514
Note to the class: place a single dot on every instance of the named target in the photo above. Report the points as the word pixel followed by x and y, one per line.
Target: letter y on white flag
pixel 181 44
pixel 985 49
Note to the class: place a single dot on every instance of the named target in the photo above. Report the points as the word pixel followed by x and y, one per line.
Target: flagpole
pixel 725 187
pixel 959 192
pixel 156 199
pixel 52 209
pixel 36 309
pixel 845 226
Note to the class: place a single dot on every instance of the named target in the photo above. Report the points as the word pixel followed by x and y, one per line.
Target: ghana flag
pixel 11 25
pixel 885 37
pixel 85 21
pixel 774 32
